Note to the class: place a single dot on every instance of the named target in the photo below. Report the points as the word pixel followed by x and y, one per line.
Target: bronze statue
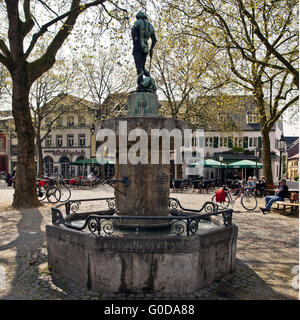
pixel 141 32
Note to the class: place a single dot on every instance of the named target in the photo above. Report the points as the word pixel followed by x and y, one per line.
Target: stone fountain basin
pixel 142 263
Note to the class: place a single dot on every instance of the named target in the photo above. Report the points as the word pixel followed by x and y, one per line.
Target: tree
pixel 46 96
pixel 184 69
pixel 24 31
pixel 104 77
pixel 254 66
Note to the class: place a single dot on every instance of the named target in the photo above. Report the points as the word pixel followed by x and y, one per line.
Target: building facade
pixel 293 159
pixel 234 134
pixel 70 137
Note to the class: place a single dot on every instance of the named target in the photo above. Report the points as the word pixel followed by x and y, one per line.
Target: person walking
pixel 281 193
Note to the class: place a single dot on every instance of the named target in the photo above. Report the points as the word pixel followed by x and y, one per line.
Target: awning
pixel 208 163
pixel 245 164
pixel 91 161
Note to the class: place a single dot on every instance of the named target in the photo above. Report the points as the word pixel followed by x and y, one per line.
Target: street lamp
pixel 221 159
pixel 256 155
pixel 281 146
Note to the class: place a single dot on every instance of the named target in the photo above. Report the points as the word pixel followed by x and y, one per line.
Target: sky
pixel 291 130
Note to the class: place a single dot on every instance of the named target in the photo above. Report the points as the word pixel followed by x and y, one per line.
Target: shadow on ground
pixel 245 284
pixel 29 248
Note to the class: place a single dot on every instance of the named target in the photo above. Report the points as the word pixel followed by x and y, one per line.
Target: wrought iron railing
pixel 104 222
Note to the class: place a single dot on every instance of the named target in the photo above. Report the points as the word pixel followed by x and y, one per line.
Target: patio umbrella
pixel 245 164
pixel 91 161
pixel 208 163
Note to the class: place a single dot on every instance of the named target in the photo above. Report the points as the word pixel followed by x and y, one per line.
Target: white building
pixel 235 145
pixel 70 139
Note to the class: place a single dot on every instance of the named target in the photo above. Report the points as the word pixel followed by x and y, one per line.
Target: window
pixel 48 164
pixel 70 139
pixel 70 121
pixel 253 118
pixel 59 140
pixel 235 143
pixel 216 142
pixel 209 142
pixel 1 143
pixel 240 142
pixel 253 142
pixel 81 120
pixel 81 140
pixel 225 142
pixel 59 122
pixel 48 141
pixel 193 142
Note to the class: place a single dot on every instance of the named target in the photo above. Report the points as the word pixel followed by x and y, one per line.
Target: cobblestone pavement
pixel 267 255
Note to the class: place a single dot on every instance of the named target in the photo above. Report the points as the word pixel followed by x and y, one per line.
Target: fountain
pixel 145 242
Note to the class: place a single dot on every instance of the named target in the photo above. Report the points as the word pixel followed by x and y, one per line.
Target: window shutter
pixel 259 142
pixel 216 142
pixel 245 142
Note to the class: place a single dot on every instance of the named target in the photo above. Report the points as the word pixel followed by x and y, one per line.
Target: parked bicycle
pixel 64 189
pixel 47 190
pixel 248 198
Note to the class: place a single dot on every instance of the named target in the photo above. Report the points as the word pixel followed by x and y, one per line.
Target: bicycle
pixel 45 189
pixel 64 189
pixel 248 199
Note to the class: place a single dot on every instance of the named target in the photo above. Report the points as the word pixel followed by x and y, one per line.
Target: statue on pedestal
pixel 141 32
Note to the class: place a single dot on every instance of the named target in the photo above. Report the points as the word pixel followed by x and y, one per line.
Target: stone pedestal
pixel 148 191
pixel 142 104
pixel 142 264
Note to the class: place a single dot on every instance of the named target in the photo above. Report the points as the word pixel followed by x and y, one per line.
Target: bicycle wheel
pixel 249 201
pixel 41 193
pixel 65 193
pixel 53 194
pixel 225 203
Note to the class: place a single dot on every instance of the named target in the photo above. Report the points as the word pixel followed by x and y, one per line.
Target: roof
pixel 294 149
pixel 234 107
pixel 296 156
pixel 290 141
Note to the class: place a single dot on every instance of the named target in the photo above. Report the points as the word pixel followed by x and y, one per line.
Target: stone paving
pixel 267 256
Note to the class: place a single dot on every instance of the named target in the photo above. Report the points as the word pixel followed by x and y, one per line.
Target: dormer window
pixel 253 118
pixel 70 121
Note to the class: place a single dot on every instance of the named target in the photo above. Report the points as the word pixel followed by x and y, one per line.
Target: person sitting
pixel 261 186
pixel 254 186
pixel 281 193
pixel 250 184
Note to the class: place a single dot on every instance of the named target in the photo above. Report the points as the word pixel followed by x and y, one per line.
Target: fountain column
pixel 147 193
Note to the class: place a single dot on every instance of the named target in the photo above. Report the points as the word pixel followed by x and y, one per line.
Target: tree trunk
pixel 25 195
pixel 40 157
pixel 266 156
pixel 266 149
